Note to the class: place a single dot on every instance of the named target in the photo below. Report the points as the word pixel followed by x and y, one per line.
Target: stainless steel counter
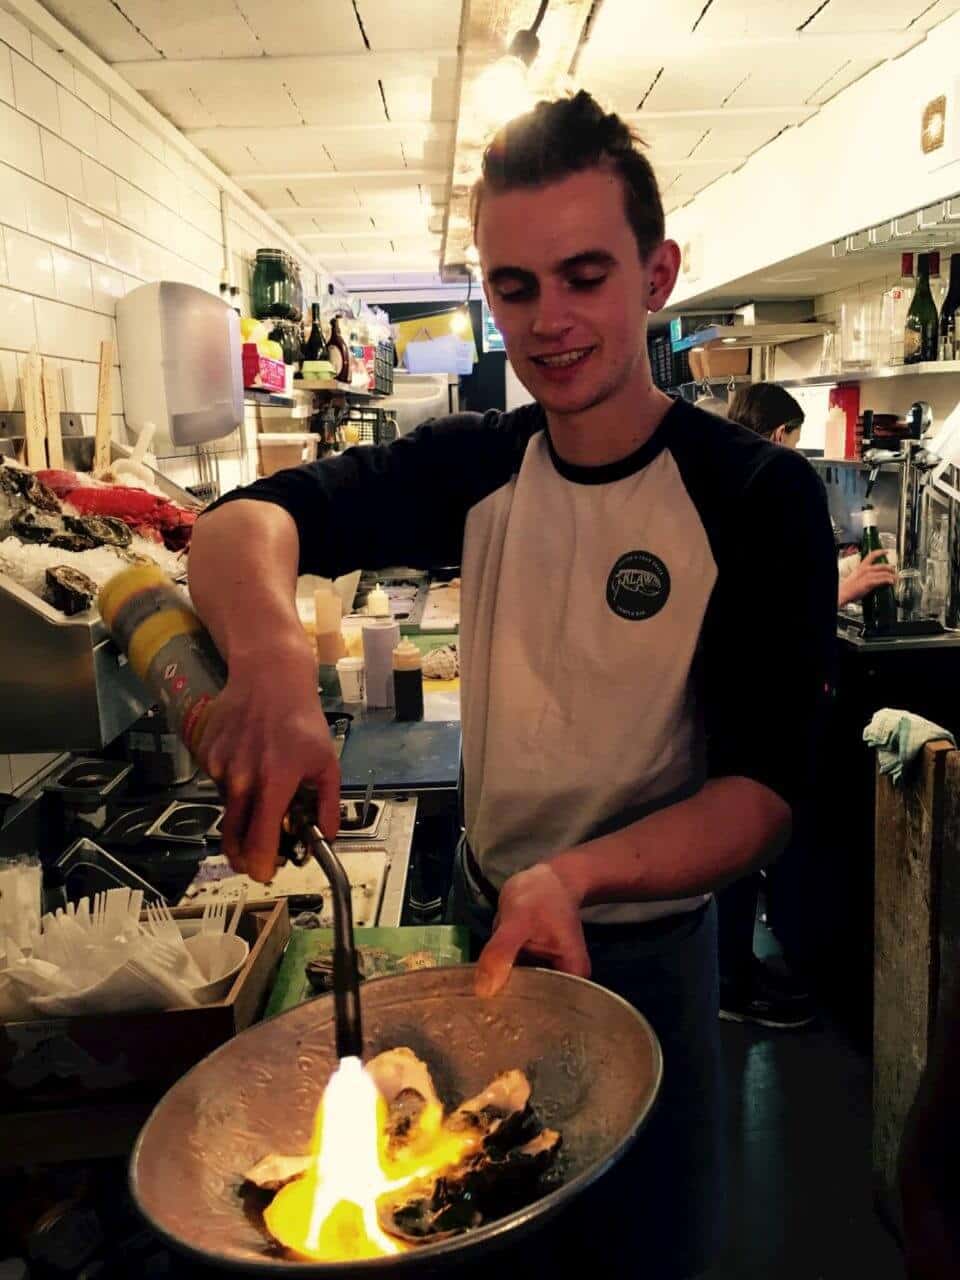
pixel 901 644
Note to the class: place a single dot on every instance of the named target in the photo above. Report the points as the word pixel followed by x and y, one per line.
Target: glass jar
pixel 273 286
pixel 296 294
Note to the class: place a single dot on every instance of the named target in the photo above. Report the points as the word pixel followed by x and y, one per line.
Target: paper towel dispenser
pixel 180 362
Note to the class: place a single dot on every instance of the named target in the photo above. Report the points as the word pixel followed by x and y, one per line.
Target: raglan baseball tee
pixel 627 631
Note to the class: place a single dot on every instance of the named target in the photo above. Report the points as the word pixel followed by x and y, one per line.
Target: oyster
pixel 71 542
pixel 104 531
pixel 485 1186
pixel 498 1113
pixel 35 526
pixel 273 1172
pixel 70 590
pixel 39 496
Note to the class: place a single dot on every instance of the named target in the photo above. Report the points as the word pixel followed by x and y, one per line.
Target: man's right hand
pixel 265 734
pixel 869 574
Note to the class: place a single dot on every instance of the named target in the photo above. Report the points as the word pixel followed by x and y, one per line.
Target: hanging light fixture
pixel 502 90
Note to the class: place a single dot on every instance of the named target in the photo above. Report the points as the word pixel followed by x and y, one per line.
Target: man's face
pixel 568 288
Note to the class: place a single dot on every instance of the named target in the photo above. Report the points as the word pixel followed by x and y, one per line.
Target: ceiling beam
pixel 372 233
pixel 861 46
pixel 335 175
pixel 253 135
pixel 802 112
pixel 157 73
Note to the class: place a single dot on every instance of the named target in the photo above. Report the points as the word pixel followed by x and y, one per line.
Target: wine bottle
pixel 338 345
pixel 316 348
pixel 880 606
pixel 949 349
pixel 922 331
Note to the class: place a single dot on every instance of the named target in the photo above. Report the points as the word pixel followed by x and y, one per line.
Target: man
pixel 627 745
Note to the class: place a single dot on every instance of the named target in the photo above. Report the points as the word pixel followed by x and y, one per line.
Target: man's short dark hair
pixel 569 135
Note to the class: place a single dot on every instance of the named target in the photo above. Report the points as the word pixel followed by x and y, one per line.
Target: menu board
pixel 492 337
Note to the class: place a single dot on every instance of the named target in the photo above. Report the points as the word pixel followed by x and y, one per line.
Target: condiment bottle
pixel 378 603
pixel 408 681
pixel 328 609
pixel 153 623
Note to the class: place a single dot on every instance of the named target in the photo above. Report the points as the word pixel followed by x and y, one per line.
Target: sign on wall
pixel 492 337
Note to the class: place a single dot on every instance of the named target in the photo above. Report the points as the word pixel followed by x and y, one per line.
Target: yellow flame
pixel 330 1214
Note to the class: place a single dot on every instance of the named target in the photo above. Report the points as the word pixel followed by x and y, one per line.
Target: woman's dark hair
pixel 569 135
pixel 763 406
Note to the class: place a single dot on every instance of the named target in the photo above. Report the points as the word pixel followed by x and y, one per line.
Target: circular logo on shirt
pixel 638 586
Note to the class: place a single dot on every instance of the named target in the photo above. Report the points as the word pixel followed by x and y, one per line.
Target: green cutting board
pixel 382 951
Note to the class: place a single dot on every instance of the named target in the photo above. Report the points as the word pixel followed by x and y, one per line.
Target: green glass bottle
pixel 921 336
pixel 880 606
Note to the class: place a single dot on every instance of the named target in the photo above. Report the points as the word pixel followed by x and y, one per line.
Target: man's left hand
pixel 539 916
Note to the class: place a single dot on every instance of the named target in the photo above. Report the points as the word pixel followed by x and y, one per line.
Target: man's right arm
pixel 266 732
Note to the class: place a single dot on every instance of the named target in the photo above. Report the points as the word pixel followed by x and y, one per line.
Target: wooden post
pixel 51 412
pixel 909 846
pixel 36 430
pixel 104 428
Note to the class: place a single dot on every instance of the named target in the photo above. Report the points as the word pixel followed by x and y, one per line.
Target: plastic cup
pixel 352 679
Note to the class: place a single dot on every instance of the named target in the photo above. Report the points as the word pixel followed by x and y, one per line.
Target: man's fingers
pixel 497 959
pixel 262 841
pixel 328 799
pixel 236 818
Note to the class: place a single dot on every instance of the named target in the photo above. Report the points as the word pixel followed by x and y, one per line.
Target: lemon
pixel 252 330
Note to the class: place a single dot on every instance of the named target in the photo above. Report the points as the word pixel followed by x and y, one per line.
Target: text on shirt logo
pixel 638 586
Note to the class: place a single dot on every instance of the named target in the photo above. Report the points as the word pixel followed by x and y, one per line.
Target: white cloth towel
pixel 899 737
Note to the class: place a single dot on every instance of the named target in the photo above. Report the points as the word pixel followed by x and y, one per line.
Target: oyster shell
pixel 273 1172
pixel 70 590
pixel 35 526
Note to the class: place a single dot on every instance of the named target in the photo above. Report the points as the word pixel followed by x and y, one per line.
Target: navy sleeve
pixel 402 503
pixel 769 638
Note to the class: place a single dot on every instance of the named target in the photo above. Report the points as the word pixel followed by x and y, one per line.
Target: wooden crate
pixel 80 1088
pixel 917 942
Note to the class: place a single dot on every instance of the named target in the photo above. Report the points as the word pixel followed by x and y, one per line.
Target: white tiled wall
pixel 93 202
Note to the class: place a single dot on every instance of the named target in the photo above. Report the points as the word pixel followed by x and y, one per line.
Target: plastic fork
pixel 239 903
pixel 214 918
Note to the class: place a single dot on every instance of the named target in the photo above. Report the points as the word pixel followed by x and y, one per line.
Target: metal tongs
pixel 302 839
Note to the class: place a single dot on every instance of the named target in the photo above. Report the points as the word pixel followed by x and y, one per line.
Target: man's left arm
pixel 766 661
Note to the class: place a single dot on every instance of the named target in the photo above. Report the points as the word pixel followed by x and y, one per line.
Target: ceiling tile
pixel 726 18
pixel 700 82
pixel 428 24
pixel 868 15
pixel 103 26
pixel 182 107
pixel 186 29
pixel 304 26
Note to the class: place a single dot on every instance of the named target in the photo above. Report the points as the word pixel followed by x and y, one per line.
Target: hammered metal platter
pixel 593 1061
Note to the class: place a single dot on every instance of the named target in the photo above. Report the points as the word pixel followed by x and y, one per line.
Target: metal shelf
pixel 927 368
pixel 254 395
pixel 753 335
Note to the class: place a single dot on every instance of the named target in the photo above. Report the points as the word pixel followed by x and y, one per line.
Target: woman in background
pixel 752 989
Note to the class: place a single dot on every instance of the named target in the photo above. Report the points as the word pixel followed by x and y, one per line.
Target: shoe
pixel 762 1006
pixel 776 979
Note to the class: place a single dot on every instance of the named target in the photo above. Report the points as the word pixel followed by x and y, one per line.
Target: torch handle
pixel 346 977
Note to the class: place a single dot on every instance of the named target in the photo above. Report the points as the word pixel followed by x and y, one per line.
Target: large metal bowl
pixel 594 1063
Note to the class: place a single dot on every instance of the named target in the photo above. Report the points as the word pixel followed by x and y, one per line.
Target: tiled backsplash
pixel 94 202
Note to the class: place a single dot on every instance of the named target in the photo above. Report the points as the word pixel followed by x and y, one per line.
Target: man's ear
pixel 664 264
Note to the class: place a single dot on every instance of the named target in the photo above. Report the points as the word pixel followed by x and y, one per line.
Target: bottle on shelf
pixel 949 339
pixel 938 286
pixel 921 336
pixel 315 347
pixel 893 319
pixel 880 606
pixel 339 354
